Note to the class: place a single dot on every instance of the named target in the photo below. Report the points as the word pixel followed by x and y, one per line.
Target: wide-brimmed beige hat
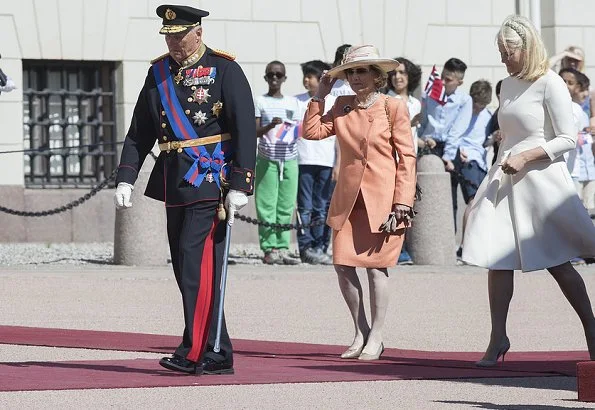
pixel 358 56
pixel 576 53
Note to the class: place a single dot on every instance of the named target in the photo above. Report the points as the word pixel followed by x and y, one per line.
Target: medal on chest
pixel 217 107
pixel 178 77
pixel 201 95
pixel 199 118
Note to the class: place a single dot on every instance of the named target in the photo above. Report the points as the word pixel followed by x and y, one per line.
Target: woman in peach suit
pixel 372 201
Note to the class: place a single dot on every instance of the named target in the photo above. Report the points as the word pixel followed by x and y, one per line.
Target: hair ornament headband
pixel 519 29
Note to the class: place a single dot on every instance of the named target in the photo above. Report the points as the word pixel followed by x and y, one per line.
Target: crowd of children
pixel 458 127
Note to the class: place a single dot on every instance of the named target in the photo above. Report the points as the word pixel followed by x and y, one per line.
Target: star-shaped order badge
pixel 199 118
pixel 217 107
pixel 201 95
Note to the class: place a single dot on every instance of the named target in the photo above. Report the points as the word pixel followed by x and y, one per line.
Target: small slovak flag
pixel 435 87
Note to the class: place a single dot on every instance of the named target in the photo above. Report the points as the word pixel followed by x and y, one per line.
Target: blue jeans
pixel 314 191
pixel 473 176
pixel 328 231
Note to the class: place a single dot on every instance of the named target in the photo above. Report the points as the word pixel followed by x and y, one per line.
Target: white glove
pixel 234 201
pixel 122 195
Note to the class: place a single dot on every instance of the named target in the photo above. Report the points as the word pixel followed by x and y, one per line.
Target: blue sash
pixel 183 129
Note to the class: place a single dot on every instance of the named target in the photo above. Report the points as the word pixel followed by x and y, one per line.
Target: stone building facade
pixel 120 36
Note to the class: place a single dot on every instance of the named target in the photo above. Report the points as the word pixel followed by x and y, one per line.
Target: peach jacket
pixel 368 163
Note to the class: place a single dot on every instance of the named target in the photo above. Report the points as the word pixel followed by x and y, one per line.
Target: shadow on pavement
pixel 494 406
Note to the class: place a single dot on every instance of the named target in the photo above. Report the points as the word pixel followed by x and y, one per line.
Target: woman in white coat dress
pixel 526 214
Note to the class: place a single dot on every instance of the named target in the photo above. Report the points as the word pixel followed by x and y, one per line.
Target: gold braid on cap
pixel 519 29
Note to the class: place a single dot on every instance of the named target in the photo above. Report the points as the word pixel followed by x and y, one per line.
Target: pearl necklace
pixel 370 100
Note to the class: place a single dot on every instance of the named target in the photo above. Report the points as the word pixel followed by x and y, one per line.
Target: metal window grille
pixel 69 123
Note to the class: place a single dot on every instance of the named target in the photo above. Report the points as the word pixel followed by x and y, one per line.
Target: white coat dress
pixel 534 219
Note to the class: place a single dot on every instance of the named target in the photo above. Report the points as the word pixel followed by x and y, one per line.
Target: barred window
pixel 69 123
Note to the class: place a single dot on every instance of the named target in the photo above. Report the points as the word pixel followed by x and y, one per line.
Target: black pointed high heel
pixel 504 347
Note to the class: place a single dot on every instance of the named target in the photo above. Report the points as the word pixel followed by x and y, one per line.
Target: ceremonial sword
pixel 228 225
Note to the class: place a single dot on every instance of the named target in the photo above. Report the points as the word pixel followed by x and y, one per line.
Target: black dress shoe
pixel 211 366
pixel 180 364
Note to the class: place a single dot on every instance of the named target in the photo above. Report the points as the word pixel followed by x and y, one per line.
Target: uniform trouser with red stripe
pixel 197 244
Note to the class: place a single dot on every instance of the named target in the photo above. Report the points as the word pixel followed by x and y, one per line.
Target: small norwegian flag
pixel 582 138
pixel 435 87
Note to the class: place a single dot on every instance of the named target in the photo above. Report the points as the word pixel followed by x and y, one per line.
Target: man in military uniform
pixel 197 103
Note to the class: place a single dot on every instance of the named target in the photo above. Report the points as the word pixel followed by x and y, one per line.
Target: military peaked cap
pixel 179 19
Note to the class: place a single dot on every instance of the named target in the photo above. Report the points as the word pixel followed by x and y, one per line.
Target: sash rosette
pixel 204 164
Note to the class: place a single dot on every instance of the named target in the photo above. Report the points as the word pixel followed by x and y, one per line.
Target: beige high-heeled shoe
pixel 504 347
pixel 376 356
pixel 352 353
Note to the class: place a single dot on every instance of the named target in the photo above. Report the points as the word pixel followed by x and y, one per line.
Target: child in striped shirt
pixel 276 181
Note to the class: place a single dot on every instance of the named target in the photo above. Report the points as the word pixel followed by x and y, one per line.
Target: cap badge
pixel 170 14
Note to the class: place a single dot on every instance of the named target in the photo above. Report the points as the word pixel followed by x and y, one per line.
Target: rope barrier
pixel 102 185
pixel 105 183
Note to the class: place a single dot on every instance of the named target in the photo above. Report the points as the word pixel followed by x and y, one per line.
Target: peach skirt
pixel 355 245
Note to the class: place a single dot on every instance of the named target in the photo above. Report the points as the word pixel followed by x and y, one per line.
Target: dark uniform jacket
pixel 149 123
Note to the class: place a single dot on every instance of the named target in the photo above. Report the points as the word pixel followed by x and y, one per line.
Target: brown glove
pixel 391 224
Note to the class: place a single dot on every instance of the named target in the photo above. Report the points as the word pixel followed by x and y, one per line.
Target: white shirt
pixel 340 88
pixel 10 85
pixel 471 143
pixel 414 108
pixel 312 152
pixel 446 123
pixel 582 166
pixel 288 109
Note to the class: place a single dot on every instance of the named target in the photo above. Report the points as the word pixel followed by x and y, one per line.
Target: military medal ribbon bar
pixel 200 76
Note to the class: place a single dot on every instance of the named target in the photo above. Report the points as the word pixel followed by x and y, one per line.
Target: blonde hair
pixel 517 32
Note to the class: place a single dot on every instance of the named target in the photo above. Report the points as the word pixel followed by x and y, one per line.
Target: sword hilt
pixel 221 213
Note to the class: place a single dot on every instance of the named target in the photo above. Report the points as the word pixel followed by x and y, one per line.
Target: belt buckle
pixel 168 147
pixel 174 145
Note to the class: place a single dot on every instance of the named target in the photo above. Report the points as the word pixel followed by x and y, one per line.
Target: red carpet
pixel 256 362
pixel 88 339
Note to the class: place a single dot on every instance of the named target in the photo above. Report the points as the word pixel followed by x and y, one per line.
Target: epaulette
pixel 224 54
pixel 159 58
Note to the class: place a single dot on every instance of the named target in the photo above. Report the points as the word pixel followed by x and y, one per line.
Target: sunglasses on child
pixel 270 75
pixel 358 71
